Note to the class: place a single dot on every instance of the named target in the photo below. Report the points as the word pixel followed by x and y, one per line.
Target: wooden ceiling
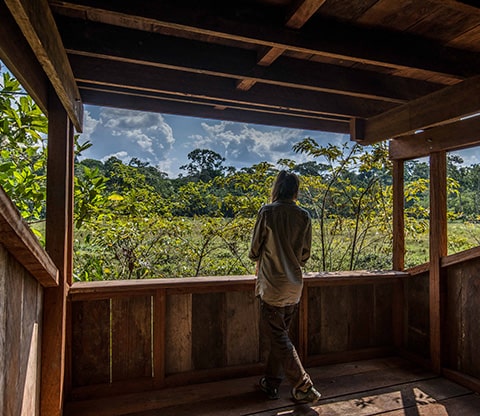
pixel 378 69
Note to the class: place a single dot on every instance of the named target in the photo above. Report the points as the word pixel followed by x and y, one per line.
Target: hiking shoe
pixel 271 392
pixel 309 396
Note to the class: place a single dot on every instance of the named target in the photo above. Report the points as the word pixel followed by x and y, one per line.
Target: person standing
pixel 280 246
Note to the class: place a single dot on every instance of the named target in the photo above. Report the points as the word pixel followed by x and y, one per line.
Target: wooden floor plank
pixel 384 386
pixel 430 393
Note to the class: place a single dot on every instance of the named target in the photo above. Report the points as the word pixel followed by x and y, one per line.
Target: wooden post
pixel 398 251
pixel 58 233
pixel 398 216
pixel 438 249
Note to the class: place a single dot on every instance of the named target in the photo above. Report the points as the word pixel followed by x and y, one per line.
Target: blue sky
pixel 165 140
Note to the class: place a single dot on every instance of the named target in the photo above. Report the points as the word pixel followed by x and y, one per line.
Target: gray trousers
pixel 283 361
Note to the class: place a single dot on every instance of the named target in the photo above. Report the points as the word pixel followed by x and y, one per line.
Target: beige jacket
pixel 281 245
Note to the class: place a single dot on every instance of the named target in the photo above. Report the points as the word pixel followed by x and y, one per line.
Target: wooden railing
pixel 128 336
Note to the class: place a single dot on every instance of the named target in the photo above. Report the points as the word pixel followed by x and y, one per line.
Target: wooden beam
pixel 302 12
pixel 269 55
pixel 150 102
pixel 59 194
pixel 102 74
pixel 438 249
pixel 38 26
pixel 350 43
pixel 438 108
pixel 22 244
pixel 119 44
pixel 453 136
pixel 16 53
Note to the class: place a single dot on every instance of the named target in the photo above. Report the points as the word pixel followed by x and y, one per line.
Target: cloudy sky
pixel 165 140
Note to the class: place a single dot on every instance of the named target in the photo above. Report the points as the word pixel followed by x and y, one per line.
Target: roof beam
pixel 302 12
pixel 38 26
pixel 453 136
pixel 102 72
pixel 151 103
pixel 331 38
pixel 235 63
pixel 441 107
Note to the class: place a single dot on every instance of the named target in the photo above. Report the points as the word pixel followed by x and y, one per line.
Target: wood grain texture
pixel 20 323
pixel 178 334
pixel 242 331
pixel 208 330
pixel 90 342
pixel 131 337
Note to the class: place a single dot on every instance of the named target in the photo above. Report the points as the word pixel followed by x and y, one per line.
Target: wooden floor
pixel 389 387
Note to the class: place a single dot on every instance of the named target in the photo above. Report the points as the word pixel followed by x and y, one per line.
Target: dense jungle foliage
pixel 133 221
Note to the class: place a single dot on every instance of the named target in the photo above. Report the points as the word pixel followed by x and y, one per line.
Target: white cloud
pixel 243 144
pixel 89 126
pixel 122 155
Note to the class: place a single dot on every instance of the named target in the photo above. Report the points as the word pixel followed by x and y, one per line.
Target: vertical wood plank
pixel 208 330
pixel 418 318
pixel 159 337
pixel 29 353
pixel 303 324
pixel 471 335
pixel 131 337
pixel 59 187
pixel 90 342
pixel 454 319
pixel 178 333
pixel 383 314
pixel 438 248
pixel 242 332
pixel 360 316
pixel 14 298
pixel 3 324
pixel 335 326
pixel 315 320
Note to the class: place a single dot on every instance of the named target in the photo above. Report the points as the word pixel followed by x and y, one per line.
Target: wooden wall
pixel 143 335
pixel 20 330
pixel 462 318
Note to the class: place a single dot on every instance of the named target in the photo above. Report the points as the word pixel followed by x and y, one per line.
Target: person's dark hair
pixel 286 186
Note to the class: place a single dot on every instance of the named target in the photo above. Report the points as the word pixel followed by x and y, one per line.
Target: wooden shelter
pixel 399 70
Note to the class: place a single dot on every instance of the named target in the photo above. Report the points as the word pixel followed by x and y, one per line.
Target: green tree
pixel 23 129
pixel 205 165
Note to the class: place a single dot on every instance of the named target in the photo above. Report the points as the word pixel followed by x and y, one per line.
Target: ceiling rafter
pixel 234 63
pixel 350 43
pixel 96 71
pixel 297 17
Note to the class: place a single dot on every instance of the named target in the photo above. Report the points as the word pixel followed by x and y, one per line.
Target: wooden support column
pixel 58 246
pixel 438 249
pixel 398 251
pixel 398 216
